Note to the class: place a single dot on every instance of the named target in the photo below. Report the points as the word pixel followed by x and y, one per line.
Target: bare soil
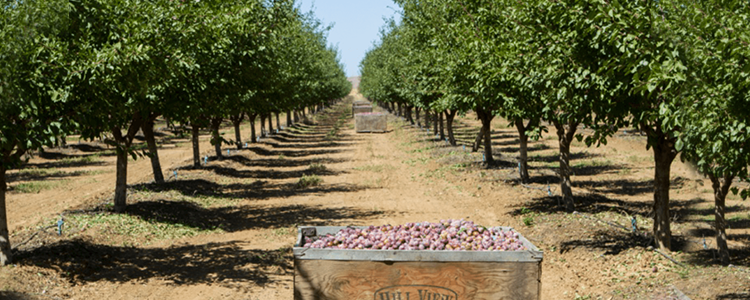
pixel 225 230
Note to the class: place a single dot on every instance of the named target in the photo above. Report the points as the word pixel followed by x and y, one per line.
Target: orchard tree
pixel 121 60
pixel 33 94
pixel 716 134
pixel 646 59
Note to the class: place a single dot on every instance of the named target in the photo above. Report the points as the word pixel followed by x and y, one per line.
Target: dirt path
pixel 224 231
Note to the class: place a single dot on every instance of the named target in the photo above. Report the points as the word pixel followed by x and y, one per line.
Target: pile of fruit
pixel 452 235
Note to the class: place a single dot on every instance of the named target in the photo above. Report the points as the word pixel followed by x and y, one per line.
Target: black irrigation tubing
pixel 669 257
pixel 550 191
pixel 605 222
pixel 32 237
pixel 626 229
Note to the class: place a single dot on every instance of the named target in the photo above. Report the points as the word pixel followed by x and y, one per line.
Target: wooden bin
pixel 334 274
pixel 361 103
pixel 370 122
pixel 361 109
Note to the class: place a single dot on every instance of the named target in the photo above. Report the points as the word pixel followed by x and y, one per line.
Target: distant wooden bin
pixel 361 109
pixel 417 274
pixel 370 122
pixel 361 103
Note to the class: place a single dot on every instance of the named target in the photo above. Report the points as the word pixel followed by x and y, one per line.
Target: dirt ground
pixel 225 230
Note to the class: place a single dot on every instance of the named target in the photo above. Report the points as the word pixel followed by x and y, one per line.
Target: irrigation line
pixel 626 229
pixel 605 222
pixel 32 236
pixel 669 257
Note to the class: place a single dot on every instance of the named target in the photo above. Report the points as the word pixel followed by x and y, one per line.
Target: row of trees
pixel 677 70
pixel 108 68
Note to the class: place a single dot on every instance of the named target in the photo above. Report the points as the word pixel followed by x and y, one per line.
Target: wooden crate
pixel 361 103
pixel 370 122
pixel 334 274
pixel 361 109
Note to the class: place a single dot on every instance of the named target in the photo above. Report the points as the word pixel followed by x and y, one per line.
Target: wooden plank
pixel 361 109
pixel 368 280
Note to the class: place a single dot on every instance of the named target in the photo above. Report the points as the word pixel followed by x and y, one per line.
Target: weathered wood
pixel 414 275
pixel 366 280
pixel 369 122
pixel 361 103
pixel 361 109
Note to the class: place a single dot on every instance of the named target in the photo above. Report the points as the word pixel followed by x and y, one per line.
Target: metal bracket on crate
pixel 309 231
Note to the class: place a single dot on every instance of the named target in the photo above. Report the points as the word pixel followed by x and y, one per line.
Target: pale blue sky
pixel 356 25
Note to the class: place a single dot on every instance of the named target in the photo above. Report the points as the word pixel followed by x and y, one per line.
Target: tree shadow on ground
pixel 8 295
pixel 36 176
pixel 589 170
pixel 290 153
pixel 87 147
pixel 278 163
pixel 613 242
pixel 623 186
pixel 239 218
pixel 225 264
pixel 739 223
pixel 286 137
pixel 734 296
pixel 594 203
pixel 326 144
pixel 620 187
pixel 271 174
pixel 556 157
pixel 499 162
pixel 256 190
pixel 530 148
pixel 72 162
pixel 708 257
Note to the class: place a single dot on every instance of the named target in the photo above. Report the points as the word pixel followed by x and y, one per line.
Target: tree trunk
pixel 278 122
pixel 523 156
pixel 721 190
pixel 400 110
pixel 442 126
pixel 565 138
pixel 236 122
pixel 435 122
pixel 296 116
pixel 664 154
pixel 416 115
pixel 253 137
pixel 121 183
pixel 148 133
pixel 6 255
pixel 123 146
pixel 486 118
pixel 262 125
pixel 478 140
pixel 450 115
pixel 270 124
pixel 196 146
pixel 288 118
pixel 304 117
pixel 427 119
pixel 216 137
pixel 237 133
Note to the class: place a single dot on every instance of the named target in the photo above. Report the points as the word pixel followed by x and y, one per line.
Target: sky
pixel 356 25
